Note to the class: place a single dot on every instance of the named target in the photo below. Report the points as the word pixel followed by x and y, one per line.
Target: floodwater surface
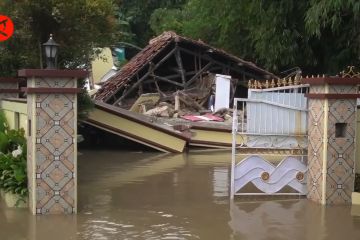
pixel 137 195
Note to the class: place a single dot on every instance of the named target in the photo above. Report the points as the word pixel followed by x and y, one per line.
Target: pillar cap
pixel 53 73
pixel 10 80
pixel 331 81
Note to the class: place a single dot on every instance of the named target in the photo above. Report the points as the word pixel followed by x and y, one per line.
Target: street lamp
pixel 51 50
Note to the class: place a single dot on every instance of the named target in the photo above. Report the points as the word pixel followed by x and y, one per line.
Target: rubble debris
pixel 162 110
pixel 144 102
pixel 221 112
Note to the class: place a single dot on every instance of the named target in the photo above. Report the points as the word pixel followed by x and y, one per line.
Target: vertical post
pixel 233 149
pixel 180 65
pixel 331 129
pixel 177 105
pixel 52 139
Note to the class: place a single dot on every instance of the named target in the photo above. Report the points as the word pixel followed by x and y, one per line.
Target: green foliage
pixel 78 26
pixel 164 19
pixel 13 176
pixel 336 26
pixel 333 14
pixel 138 12
pixel 3 122
pixel 244 28
pixel 315 35
pixel 3 128
pixel 85 104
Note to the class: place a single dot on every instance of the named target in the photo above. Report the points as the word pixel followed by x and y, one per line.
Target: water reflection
pixel 133 195
pixel 280 219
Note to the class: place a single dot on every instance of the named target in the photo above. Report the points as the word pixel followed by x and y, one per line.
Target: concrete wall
pixel 15 112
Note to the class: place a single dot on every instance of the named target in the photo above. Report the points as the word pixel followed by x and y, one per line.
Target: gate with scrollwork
pixel 275 119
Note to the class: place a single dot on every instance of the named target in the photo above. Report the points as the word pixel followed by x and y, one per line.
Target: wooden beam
pixel 132 88
pixel 180 64
pixel 168 80
pixel 198 74
pixel 178 75
pixel 189 101
pixel 165 58
pixel 233 86
pixel 151 69
pixel 158 89
pixel 114 95
pixel 215 68
pixel 208 58
pixel 195 63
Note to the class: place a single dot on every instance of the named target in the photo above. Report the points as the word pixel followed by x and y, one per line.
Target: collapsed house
pixel 172 63
pixel 173 83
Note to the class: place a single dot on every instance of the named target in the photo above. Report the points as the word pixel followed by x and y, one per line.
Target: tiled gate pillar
pixel 51 139
pixel 331 151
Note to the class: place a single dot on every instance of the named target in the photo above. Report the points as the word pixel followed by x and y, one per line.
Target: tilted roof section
pixel 155 46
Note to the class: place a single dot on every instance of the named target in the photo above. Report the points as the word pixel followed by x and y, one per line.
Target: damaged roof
pixel 153 49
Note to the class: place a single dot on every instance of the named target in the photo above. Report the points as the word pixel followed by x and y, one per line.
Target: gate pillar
pixel 331 130
pixel 52 139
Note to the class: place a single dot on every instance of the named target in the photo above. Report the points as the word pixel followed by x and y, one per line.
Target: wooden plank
pixel 198 74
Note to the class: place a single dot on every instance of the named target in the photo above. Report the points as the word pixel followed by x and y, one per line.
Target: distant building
pixel 101 65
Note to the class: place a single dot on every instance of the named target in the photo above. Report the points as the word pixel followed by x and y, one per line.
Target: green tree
pixel 336 24
pixel 316 35
pixel 78 26
pixel 270 33
pixel 163 19
pixel 138 12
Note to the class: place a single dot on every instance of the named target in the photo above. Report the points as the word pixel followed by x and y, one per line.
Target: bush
pixel 13 176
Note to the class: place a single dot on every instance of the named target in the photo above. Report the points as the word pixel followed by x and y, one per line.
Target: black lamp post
pixel 51 50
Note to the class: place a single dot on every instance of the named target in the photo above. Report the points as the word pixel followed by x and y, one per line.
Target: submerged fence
pixel 274 117
pixel 277 111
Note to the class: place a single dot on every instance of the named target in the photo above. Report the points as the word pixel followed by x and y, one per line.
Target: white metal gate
pixel 280 110
pixel 274 118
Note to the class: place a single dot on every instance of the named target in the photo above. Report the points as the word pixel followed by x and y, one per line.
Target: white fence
pixel 273 111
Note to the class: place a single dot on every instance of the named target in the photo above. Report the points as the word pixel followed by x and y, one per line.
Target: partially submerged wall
pixel 15 111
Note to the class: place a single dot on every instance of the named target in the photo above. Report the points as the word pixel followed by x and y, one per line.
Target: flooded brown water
pixel 135 195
